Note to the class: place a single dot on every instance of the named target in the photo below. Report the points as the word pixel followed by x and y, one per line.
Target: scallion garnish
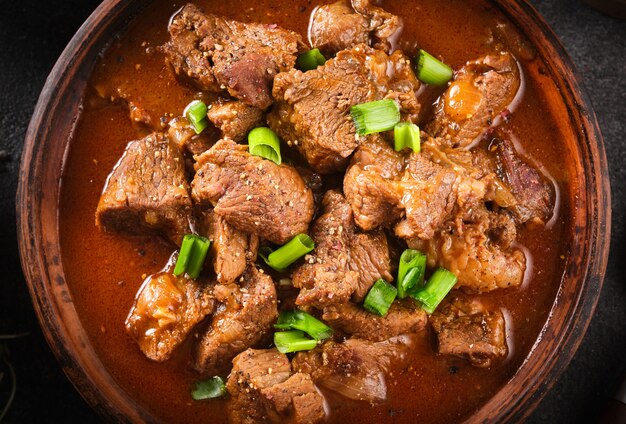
pixel 376 116
pixel 293 341
pixel 409 260
pixel 299 320
pixel 406 134
pixel 431 70
pixel 380 297
pixel 284 256
pixel 264 142
pixel 438 286
pixel 192 254
pixel 212 388
pixel 310 60
pixel 195 112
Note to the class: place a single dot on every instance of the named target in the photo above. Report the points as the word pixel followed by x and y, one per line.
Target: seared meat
pixel 243 320
pixel 235 119
pixel 346 263
pixel 312 108
pixel 181 132
pixel 477 248
pixel 147 192
pixel 481 91
pixel 465 328
pixel 220 54
pixel 253 194
pixel 166 309
pixel 341 25
pixel 416 194
pixel 231 249
pixel 355 368
pixel 263 390
pixel 351 319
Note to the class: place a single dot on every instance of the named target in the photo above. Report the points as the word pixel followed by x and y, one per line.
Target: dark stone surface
pixel 33 34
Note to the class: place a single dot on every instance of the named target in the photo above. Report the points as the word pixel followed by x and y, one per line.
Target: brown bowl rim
pixel 51 299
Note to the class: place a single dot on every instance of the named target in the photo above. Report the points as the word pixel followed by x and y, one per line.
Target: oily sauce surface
pixel 104 271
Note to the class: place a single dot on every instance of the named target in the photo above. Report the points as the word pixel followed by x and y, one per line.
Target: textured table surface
pixel 32 35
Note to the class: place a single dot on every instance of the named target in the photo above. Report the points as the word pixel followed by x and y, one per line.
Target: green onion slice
pixel 192 254
pixel 310 60
pixel 376 116
pixel 406 134
pixel 284 256
pixel 409 260
pixel 380 297
pixel 293 341
pixel 212 388
pixel 195 112
pixel 299 320
pixel 431 70
pixel 264 142
pixel 438 286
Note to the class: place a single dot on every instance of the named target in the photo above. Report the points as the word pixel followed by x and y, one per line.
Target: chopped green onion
pixel 293 341
pixel 212 388
pixel 438 286
pixel 431 70
pixel 284 256
pixel 406 134
pixel 310 60
pixel 195 112
pixel 410 259
pixel 192 254
pixel 299 320
pixel 264 142
pixel 380 297
pixel 376 116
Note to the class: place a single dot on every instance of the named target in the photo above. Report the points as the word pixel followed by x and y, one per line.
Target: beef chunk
pixel 312 108
pixel 253 194
pixel 402 318
pixel 217 54
pixel 235 119
pixel 346 262
pixel 409 190
pixel 231 249
pixel 341 25
pixel 355 369
pixel 477 248
pixel 243 320
pixel 147 191
pixel 263 390
pixel 481 91
pixel 166 309
pixel 533 193
pixel 465 328
pixel 182 133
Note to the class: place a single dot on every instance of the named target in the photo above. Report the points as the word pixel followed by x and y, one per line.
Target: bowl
pixel 46 146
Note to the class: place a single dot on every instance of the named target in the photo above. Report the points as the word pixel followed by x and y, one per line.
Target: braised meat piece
pixel 343 25
pixel 355 369
pixel 345 263
pixel 263 390
pixel 353 320
pixel 235 119
pixel 409 190
pixel 253 194
pixel 312 110
pixel 182 133
pixel 231 249
pixel 465 328
pixel 477 248
pixel 165 311
pixel 220 54
pixel 244 319
pixel 147 192
pixel 480 92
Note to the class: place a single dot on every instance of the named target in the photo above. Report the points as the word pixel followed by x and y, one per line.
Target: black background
pixel 32 35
